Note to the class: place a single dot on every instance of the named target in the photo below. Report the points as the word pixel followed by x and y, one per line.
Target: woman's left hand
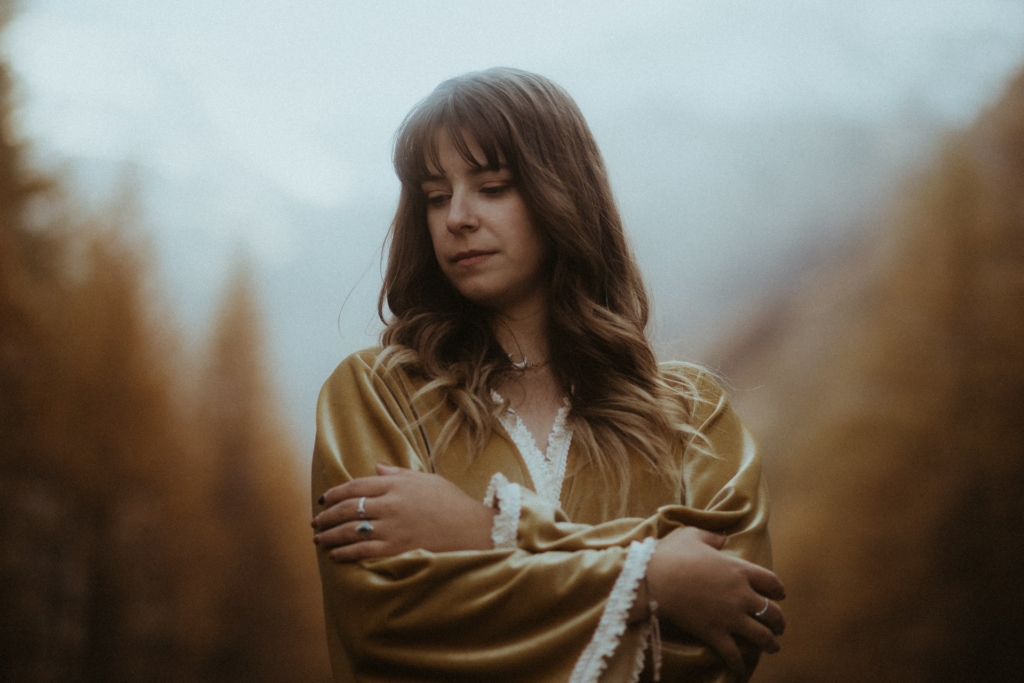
pixel 402 510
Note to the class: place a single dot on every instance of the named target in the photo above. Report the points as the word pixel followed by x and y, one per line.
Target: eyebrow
pixel 475 171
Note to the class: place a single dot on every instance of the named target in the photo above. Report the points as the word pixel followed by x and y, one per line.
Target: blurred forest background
pixel 153 526
pixel 153 523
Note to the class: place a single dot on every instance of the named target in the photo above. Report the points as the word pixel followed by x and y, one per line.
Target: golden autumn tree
pixel 269 612
pixel 140 538
pixel 891 408
pixel 89 518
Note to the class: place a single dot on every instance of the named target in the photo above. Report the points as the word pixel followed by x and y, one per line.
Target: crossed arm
pixel 705 592
pixel 426 595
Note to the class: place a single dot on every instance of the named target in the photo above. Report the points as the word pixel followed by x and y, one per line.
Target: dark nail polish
pixel 320 500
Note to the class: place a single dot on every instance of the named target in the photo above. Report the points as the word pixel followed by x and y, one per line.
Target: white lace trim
pixel 504 495
pixel 546 469
pixel 612 625
pixel 641 659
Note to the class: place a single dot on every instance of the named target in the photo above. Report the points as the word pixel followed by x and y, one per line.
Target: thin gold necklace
pixel 525 364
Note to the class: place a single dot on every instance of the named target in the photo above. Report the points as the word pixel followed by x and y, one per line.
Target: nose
pixel 461 212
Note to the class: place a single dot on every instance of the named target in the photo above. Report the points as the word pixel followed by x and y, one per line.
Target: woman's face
pixel 483 236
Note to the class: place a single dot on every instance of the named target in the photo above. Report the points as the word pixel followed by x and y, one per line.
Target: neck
pixel 523 332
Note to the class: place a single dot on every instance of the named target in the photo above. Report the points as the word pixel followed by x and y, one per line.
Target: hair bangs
pixel 465 121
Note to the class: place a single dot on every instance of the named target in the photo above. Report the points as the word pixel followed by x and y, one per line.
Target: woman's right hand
pixel 713 596
pixel 403 510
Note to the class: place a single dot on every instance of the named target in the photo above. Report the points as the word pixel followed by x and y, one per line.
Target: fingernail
pixel 320 500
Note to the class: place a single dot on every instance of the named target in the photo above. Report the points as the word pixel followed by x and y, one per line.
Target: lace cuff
pixel 504 495
pixel 612 625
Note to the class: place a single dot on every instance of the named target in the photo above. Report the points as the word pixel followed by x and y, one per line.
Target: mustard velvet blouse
pixel 550 608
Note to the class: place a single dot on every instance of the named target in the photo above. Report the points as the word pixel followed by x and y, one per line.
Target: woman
pixel 512 488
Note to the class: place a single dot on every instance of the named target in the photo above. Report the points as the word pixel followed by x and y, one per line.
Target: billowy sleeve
pixel 551 607
pixel 498 615
pixel 723 491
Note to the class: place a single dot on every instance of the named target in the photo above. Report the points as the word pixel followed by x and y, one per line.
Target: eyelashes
pixel 492 190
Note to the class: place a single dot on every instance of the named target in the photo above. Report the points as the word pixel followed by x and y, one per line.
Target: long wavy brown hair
pixel 622 406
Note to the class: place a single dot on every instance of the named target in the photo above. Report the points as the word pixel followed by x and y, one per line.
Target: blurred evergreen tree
pixel 152 526
pixel 891 410
pixel 271 588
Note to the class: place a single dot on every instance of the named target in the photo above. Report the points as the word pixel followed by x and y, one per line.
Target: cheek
pixel 436 236
pixel 523 233
pixel 437 249
pixel 537 247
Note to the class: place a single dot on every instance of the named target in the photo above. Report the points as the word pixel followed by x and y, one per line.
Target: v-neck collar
pixel 547 469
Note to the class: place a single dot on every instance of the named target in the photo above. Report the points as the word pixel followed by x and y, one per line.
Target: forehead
pixel 446 149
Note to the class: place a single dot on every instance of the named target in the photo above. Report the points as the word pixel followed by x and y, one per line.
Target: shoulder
pixel 354 367
pixel 367 410
pixel 695 389
pixel 376 370
pixel 360 362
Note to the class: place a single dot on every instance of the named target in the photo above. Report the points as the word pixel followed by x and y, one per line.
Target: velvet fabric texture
pixel 523 614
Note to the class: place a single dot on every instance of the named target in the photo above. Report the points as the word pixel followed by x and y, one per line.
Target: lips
pixel 471 257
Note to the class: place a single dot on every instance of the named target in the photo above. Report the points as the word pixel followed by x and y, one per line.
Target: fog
pixel 742 138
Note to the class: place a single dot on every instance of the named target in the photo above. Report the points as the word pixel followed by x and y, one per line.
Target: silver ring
pixel 764 610
pixel 361 509
pixel 364 530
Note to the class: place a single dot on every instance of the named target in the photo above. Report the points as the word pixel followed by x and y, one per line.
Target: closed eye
pixel 494 189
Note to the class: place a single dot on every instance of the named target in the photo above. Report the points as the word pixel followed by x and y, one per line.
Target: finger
pixel 767 612
pixel 774 619
pixel 385 470
pixel 730 654
pixel 716 541
pixel 347 511
pixel 759 634
pixel 360 551
pixel 751 655
pixel 348 534
pixel 342 534
pixel 363 486
pixel 339 513
pixel 765 582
